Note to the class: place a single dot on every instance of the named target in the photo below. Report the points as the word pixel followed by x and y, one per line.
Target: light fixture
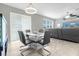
pixel 72 13
pixel 30 9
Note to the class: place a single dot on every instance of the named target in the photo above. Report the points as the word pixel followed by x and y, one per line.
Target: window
pixel 47 23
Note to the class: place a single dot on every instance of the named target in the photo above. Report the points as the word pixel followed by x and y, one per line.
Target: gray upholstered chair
pixel 41 30
pixel 23 40
pixel 45 42
pixel 27 31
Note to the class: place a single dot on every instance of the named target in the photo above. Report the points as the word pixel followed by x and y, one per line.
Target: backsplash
pixel 71 24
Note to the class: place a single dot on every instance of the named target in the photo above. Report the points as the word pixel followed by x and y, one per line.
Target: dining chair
pixel 27 31
pixel 45 42
pixel 41 30
pixel 23 40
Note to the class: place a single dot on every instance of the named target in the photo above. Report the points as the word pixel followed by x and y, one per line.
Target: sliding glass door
pixel 18 22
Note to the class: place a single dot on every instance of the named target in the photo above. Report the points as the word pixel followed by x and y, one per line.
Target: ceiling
pixel 52 10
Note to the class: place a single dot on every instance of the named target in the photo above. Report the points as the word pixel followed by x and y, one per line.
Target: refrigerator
pixel 3 36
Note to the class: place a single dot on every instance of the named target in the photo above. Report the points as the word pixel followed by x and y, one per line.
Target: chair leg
pixel 23 50
pixel 27 54
pixel 45 50
pixel 26 51
pixel 48 52
pixel 30 53
pixel 40 53
pixel 21 46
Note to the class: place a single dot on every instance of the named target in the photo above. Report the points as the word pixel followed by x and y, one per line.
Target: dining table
pixel 35 36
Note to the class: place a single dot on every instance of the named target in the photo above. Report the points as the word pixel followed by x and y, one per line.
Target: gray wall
pixel 37 22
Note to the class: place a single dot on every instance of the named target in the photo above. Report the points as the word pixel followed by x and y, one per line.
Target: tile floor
pixel 56 47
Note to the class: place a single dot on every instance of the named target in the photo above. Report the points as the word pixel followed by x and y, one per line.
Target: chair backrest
pixel 27 31
pixel 46 38
pixel 41 30
pixel 22 37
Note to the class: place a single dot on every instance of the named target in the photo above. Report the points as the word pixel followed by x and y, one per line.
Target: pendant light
pixel 30 9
